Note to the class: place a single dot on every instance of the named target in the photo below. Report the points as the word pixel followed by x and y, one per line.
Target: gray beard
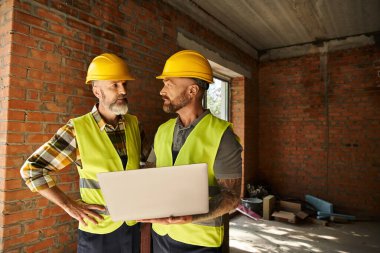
pixel 119 109
pixel 116 109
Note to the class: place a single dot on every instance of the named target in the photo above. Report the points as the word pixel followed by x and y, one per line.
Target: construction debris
pixel 248 212
pixel 284 216
pixel 268 206
pixel 325 210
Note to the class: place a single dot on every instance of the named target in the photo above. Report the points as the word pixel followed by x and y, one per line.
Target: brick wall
pixel 320 128
pixel 6 12
pixel 52 44
pixel 244 115
pixel 238 111
pixel 251 126
pixel 354 119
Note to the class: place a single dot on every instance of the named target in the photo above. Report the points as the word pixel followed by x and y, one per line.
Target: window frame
pixel 228 96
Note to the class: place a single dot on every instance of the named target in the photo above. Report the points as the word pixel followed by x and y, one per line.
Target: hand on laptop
pixel 169 220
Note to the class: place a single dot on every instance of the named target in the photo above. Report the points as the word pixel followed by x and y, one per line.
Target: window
pixel 217 98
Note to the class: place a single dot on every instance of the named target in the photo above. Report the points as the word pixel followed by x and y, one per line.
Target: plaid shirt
pixel 61 150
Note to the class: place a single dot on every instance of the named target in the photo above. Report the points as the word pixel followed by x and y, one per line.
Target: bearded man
pixel 104 140
pixel 195 136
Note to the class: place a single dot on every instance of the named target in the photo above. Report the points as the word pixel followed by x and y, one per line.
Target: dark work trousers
pixel 165 244
pixel 125 239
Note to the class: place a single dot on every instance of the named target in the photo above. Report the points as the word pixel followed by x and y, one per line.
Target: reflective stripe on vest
pixel 98 155
pixel 88 183
pixel 201 146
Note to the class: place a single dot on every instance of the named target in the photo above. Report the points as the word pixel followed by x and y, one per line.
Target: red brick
pixel 32 95
pixel 12 184
pixel 16 115
pixel 52 87
pixel 64 219
pixel 47 46
pixel 43 76
pixel 10 231
pixel 10 172
pixel 45 56
pixel 24 239
pixel 18 149
pixel 75 64
pixel 64 8
pixel 46 222
pixel 53 211
pixel 22 83
pixel 42 202
pixel 12 161
pixel 24 40
pixel 62 229
pixel 18 93
pixel 43 34
pixel 50 16
pixel 62 30
pixel 37 138
pixel 67 178
pixel 52 128
pixel 81 26
pixel 21 28
pixel 41 117
pixel 15 138
pixel 89 19
pixel 37 247
pixel 24 127
pixel 29 19
pixel 73 44
pixel 30 63
pixel 20 216
pixel 20 72
pixel 53 107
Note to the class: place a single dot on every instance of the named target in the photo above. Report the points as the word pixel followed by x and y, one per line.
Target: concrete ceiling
pixel 261 25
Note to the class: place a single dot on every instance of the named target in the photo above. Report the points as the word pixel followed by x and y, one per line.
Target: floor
pixel 248 235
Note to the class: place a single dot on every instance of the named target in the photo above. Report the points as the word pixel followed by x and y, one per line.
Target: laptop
pixel 156 192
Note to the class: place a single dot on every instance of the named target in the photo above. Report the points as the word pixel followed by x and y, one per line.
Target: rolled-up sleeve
pixel 54 155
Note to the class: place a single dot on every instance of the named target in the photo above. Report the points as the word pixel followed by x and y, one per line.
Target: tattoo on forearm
pixel 225 201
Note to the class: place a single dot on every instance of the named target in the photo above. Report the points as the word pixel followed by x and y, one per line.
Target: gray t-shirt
pixel 228 161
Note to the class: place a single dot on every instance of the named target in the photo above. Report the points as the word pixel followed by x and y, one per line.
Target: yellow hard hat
pixel 187 63
pixel 108 67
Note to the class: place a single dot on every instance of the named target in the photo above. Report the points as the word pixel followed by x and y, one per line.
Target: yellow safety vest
pixel 98 154
pixel 201 146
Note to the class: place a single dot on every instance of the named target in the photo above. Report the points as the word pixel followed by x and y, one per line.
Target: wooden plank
pixel 302 215
pixel 285 216
pixel 268 206
pixel 290 206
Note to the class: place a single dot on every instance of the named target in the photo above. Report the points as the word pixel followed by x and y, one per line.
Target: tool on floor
pixel 325 209
pixel 248 212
